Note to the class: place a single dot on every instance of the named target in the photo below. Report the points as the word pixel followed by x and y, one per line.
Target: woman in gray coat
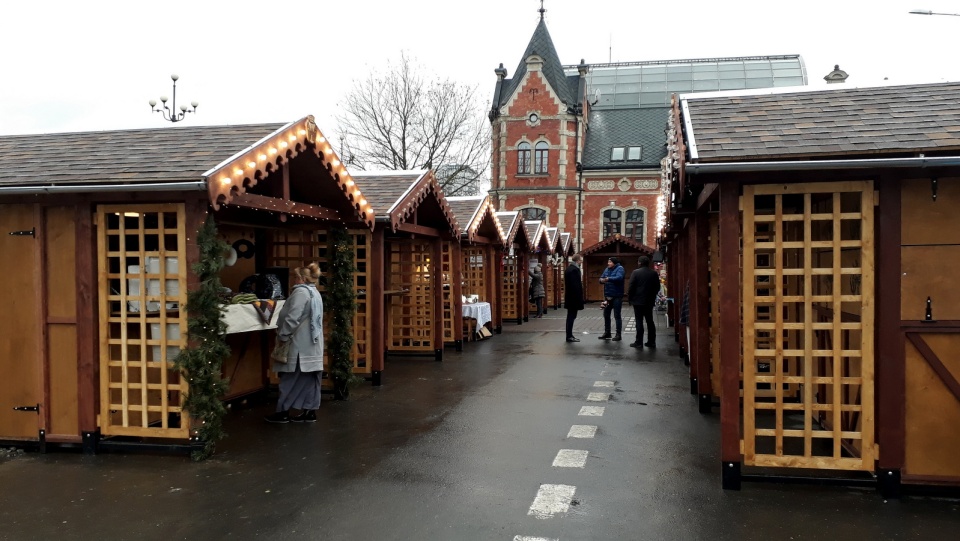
pixel 300 323
pixel 536 288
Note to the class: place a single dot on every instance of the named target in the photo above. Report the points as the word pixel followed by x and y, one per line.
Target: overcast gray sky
pixel 94 65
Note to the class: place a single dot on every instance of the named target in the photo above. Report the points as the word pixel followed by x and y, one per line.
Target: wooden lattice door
pixel 142 289
pixel 510 288
pixel 449 304
pixel 411 309
pixel 808 309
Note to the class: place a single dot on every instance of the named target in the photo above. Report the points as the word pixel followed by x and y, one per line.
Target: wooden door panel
pixel 923 276
pixel 932 410
pixel 929 221
pixel 19 319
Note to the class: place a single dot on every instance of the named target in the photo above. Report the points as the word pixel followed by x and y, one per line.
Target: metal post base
pixel 377 378
pixel 90 442
pixel 458 345
pixel 499 329
pixel 693 385
pixel 888 483
pixel 705 403
pixel 438 354
pixel 526 319
pixel 731 476
pixel 42 441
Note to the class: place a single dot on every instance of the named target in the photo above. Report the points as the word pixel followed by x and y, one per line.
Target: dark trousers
pixel 539 302
pixel 614 306
pixel 571 315
pixel 645 313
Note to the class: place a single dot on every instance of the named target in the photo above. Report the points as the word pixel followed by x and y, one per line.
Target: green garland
pixel 342 305
pixel 201 363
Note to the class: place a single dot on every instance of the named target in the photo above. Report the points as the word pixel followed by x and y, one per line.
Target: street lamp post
pixel 170 113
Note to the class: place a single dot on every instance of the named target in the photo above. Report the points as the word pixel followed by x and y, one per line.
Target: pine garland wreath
pixel 201 362
pixel 342 305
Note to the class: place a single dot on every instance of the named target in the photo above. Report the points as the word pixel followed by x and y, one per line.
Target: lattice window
pixel 411 312
pixel 523 158
pixel 549 283
pixel 541 158
pixel 474 273
pixel 511 288
pixel 446 270
pixel 143 286
pixel 808 325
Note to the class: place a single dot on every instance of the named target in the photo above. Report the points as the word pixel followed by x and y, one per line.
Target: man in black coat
pixel 642 293
pixel 573 295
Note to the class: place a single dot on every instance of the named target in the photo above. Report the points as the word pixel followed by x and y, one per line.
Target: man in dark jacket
pixel 612 280
pixel 642 294
pixel 573 295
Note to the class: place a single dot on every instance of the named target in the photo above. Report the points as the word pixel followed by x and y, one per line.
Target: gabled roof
pixel 618 244
pixel 566 241
pixel 537 235
pixel 470 212
pixel 395 195
pixel 511 224
pixel 553 237
pixel 610 128
pixel 541 44
pixel 122 156
pixel 823 123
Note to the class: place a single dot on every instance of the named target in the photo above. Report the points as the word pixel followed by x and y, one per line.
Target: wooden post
pixel 377 324
pixel 700 315
pixel 495 277
pixel 88 354
pixel 436 273
pixel 730 331
pixel 523 276
pixel 456 285
pixel 890 367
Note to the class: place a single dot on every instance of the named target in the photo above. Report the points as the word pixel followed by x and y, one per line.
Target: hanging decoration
pixel 342 305
pixel 201 363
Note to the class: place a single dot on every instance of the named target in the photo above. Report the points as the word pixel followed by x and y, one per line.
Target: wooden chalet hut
pixel 514 282
pixel 566 252
pixel 550 269
pixel 421 247
pixel 628 251
pixel 541 252
pixel 482 248
pixel 100 235
pixel 827 221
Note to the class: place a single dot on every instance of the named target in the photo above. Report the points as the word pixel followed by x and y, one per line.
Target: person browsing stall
pixel 642 294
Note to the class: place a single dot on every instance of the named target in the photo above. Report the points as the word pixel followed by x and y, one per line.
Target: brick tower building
pixel 580 146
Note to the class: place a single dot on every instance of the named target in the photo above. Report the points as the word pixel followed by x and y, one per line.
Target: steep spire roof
pixel 541 44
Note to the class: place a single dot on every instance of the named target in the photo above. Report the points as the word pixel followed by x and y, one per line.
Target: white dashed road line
pixel 551 500
pixel 603 384
pixel 582 431
pixel 571 458
pixel 528 538
pixel 598 397
pixel 591 411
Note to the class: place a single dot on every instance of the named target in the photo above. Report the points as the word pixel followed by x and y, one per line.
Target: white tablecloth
pixel 245 318
pixel 479 311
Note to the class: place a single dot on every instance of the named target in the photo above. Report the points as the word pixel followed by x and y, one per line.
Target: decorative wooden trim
pixel 406 208
pixel 935 363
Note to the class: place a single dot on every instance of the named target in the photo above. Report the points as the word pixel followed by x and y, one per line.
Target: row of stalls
pixel 100 234
pixel 827 220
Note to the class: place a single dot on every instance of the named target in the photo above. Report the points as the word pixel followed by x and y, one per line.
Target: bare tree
pixel 408 119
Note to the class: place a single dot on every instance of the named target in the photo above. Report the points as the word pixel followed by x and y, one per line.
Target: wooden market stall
pixel 514 285
pixel 418 234
pixel 550 269
pixel 565 252
pixel 107 226
pixel 540 253
pixel 482 249
pixel 628 251
pixel 826 220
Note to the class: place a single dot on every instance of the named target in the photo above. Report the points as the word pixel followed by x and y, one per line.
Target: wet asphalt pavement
pixel 458 450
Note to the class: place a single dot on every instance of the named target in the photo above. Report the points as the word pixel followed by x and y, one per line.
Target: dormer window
pixel 620 154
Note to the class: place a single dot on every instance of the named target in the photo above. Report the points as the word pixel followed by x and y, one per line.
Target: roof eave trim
pixel 810 165
pixel 97 188
pixel 688 127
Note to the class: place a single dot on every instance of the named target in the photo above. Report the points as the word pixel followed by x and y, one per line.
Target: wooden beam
pixel 730 326
pixel 377 325
pixel 456 285
pixel 701 315
pixel 436 276
pixel 891 354
pixel 40 263
pixel 708 192
pixel 935 363
pixel 420 230
pixel 273 204
pixel 285 186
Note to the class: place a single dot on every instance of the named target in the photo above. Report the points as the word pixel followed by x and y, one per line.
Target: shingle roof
pixel 395 195
pixel 626 127
pixel 553 236
pixel 122 156
pixel 844 121
pixel 465 208
pixel 541 44
pixel 510 226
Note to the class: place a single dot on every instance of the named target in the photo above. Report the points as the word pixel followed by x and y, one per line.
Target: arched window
pixel 540 160
pixel 633 227
pixel 533 213
pixel 523 159
pixel 611 222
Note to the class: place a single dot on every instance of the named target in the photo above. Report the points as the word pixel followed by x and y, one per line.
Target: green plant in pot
pixel 341 303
